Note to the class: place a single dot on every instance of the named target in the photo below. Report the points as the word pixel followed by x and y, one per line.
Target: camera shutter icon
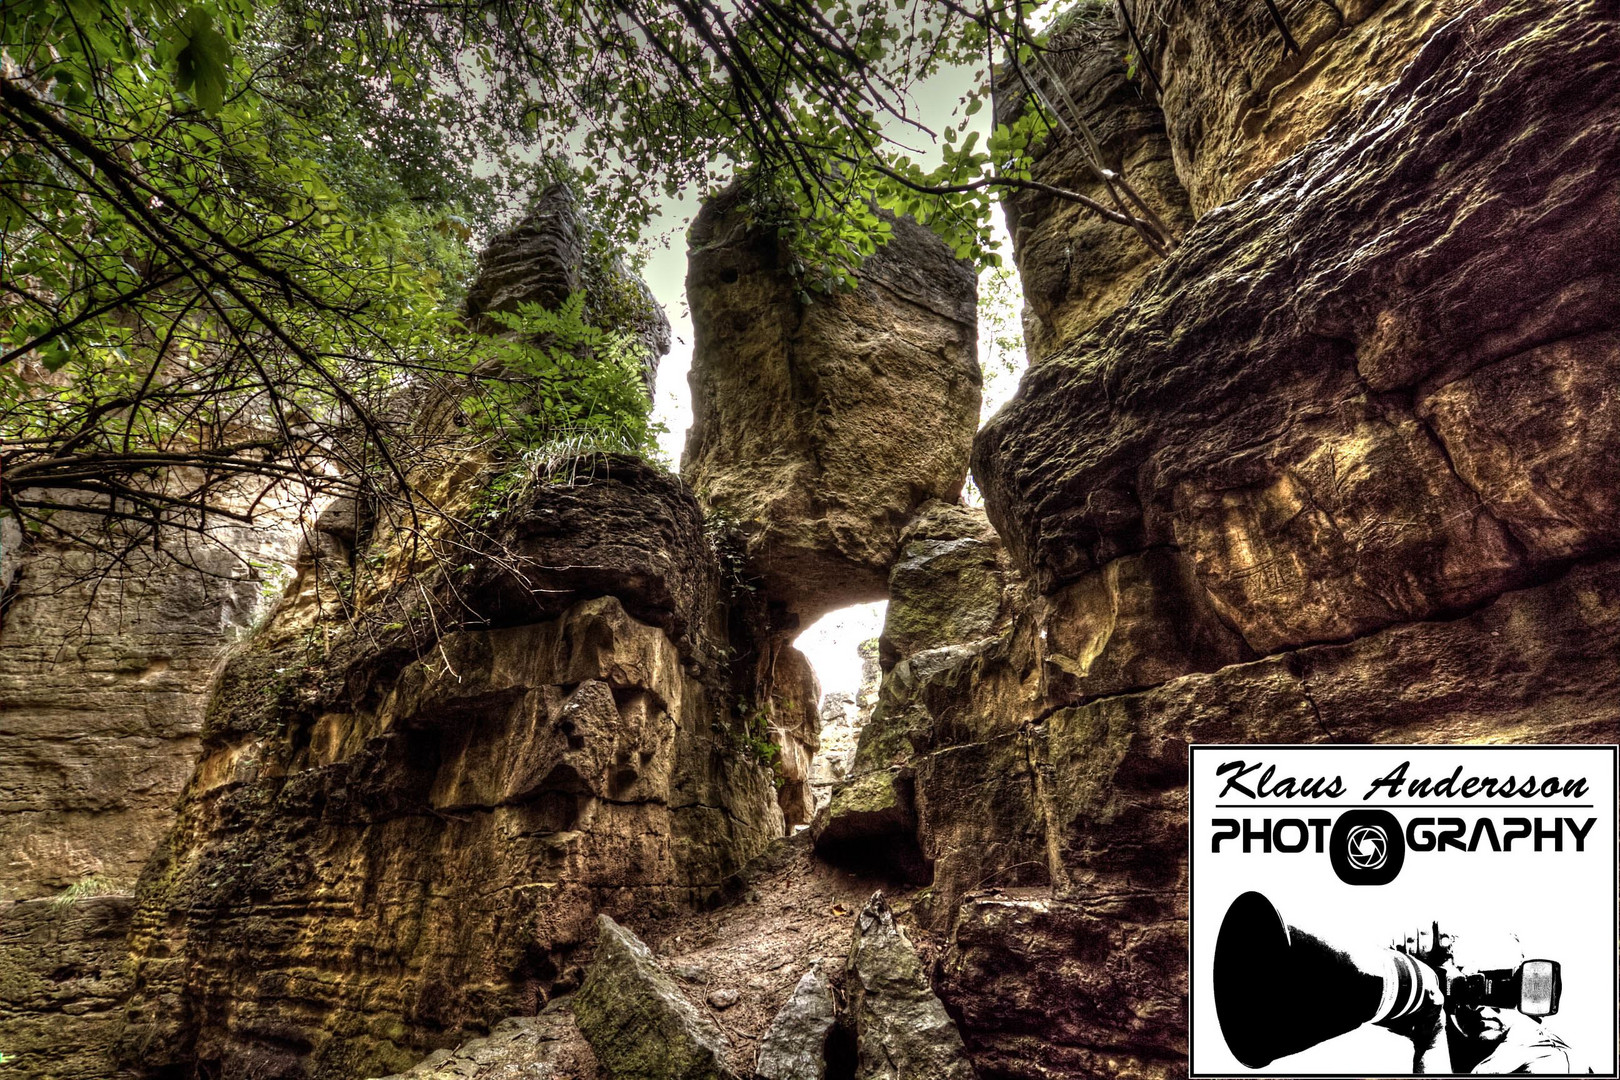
pixel 1367 847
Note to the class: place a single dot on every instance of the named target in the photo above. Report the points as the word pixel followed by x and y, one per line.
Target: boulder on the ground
pixel 820 427
pixel 902 1031
pixel 636 1019
pixel 795 1045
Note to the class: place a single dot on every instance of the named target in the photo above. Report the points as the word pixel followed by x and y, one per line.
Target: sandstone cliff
pixel 1341 468
pixel 105 671
pixel 1335 470
pixel 400 834
pixel 1074 265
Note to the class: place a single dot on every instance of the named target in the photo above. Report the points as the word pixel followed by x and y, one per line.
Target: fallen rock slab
pixel 637 1020
pixel 795 1045
pixel 902 1031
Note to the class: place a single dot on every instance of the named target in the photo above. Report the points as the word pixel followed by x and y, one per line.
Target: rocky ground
pixel 788 914
pixel 793 912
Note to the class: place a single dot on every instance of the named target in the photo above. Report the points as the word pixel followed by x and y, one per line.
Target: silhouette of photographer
pixel 1455 1037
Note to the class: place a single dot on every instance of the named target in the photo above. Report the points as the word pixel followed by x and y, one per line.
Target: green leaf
pixel 203 61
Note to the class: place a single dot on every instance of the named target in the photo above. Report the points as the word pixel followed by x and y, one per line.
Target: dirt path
pixel 793 910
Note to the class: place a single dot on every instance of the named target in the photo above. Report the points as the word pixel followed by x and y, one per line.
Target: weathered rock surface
pixel 549 256
pixel 951 598
pixel 61 987
pixel 1317 479
pixel 621 527
pixel 822 427
pixel 786 683
pixel 1264 403
pixel 1089 804
pixel 104 678
pixel 1076 266
pixel 902 1031
pixel 795 1046
pixel 389 847
pixel 547 1046
pixel 636 1019
pixel 948 585
pixel 1237 100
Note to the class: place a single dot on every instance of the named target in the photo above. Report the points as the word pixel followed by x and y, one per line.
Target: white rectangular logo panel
pixel 1402 910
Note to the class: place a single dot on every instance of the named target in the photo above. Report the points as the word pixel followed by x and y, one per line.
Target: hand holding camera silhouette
pixel 1280 989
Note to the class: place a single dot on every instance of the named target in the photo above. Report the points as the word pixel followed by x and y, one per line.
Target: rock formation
pixel 104 678
pixel 1237 99
pixel 1074 265
pixel 820 427
pixel 1340 468
pixel 902 1031
pixel 1299 449
pixel 950 599
pixel 1311 481
pixel 104 675
pixel 552 254
pixel 62 984
pixel 795 1047
pixel 636 1019
pixel 406 834
pixel 948 585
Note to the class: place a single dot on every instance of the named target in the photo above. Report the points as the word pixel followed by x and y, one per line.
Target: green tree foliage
pixel 233 231
pixel 220 259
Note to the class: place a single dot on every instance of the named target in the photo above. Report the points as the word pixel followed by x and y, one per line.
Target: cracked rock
pixel 795 1045
pixel 902 1031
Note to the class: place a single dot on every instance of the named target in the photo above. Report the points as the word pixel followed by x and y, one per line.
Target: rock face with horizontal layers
pixel 1315 480
pixel 388 848
pixel 820 427
pixel 104 678
pixel 1267 407
pixel 1075 265
pixel 62 985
